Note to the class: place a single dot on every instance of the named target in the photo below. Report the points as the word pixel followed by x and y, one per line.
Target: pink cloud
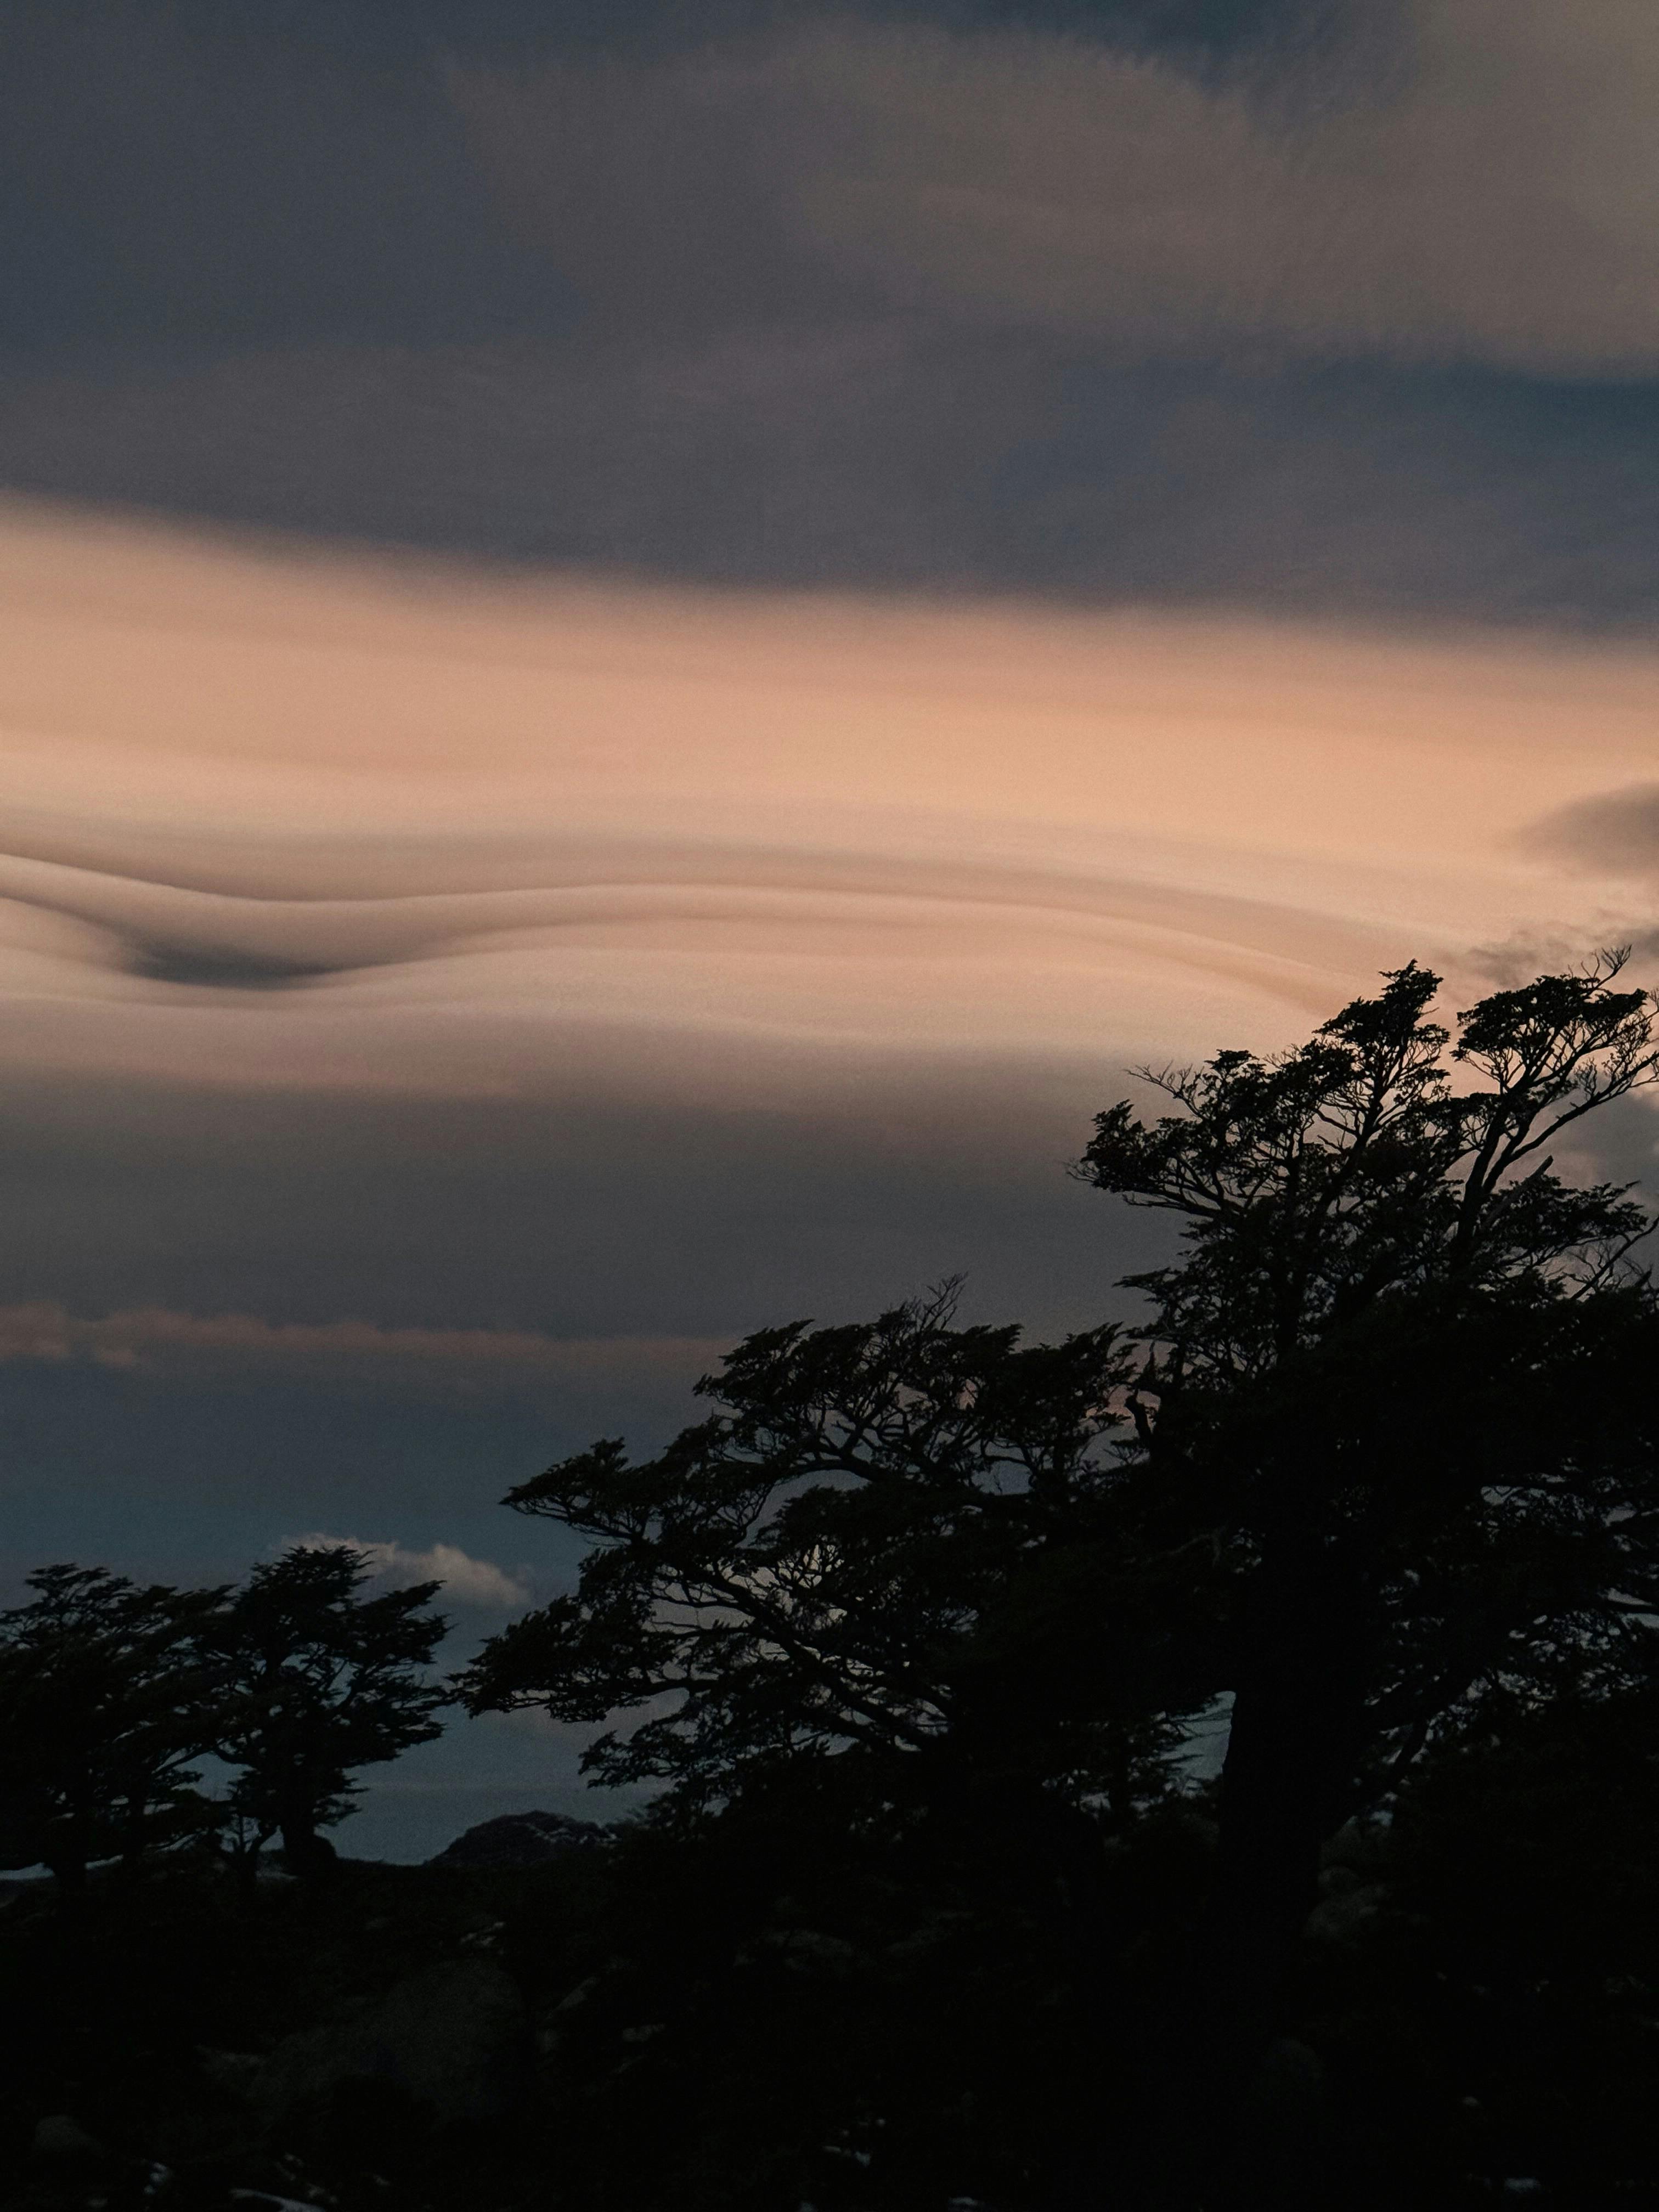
pixel 148 1336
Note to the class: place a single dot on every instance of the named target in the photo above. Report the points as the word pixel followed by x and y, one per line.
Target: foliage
pixel 1398 1377
pixel 781 2005
pixel 847 1559
pixel 317 1681
pixel 1477 1987
pixel 1397 1403
pixel 104 1695
pixel 1392 1439
pixel 1383 1454
pixel 1317 1183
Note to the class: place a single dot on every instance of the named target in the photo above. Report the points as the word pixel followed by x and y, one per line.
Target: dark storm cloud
pixel 386 32
pixel 186 177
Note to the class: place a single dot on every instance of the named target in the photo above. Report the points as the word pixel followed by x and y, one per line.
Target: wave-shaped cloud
pixel 333 825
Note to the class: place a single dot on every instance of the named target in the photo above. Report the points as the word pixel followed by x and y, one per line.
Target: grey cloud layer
pixel 1365 327
pixel 895 453
pixel 1491 199
pixel 168 190
pixel 160 1337
pixel 1617 834
pixel 1478 184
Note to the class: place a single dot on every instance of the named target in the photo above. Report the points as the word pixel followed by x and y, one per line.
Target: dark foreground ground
pixel 781 2014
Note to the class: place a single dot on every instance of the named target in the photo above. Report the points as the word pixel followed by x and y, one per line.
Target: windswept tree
pixel 318 1680
pixel 1384 1452
pixel 843 1562
pixel 1398 1404
pixel 105 1696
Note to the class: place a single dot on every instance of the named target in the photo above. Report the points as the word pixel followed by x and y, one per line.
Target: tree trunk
pixel 69 1851
pixel 1296 1725
pixel 244 1855
pixel 1272 1820
pixel 308 1854
pixel 133 1842
pixel 69 1871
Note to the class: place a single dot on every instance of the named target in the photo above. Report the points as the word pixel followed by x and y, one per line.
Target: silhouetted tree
pixel 1387 1454
pixel 317 1681
pixel 1522 1857
pixel 104 1698
pixel 1399 1403
pixel 839 1562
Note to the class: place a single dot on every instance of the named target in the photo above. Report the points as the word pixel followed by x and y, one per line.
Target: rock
pixel 1342 1916
pixel 1282 2126
pixel 61 2136
pixel 521 1840
pixel 453 2038
pixel 236 2072
pixel 804 1951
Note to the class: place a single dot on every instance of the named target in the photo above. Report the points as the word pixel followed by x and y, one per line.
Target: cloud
pixel 1614 834
pixel 169 183
pixel 862 301
pixel 154 1336
pixel 1077 309
pixel 513 962
pixel 1488 194
pixel 901 452
pixel 475 1584
pixel 570 828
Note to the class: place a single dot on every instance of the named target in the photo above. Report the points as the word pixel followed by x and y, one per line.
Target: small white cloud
pixel 479 1583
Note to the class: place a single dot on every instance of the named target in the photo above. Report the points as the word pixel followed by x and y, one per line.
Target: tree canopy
pixel 103 1699
pixel 1398 1394
pixel 1384 1446
pixel 110 1694
pixel 1317 1182
pixel 837 1561
pixel 316 1682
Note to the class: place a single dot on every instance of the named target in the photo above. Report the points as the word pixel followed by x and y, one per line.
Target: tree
pixel 838 1565
pixel 1398 1400
pixel 1384 1449
pixel 1520 1857
pixel 317 1681
pixel 104 1700
pixel 840 1619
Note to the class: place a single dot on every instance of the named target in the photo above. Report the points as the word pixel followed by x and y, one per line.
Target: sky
pixel 642 647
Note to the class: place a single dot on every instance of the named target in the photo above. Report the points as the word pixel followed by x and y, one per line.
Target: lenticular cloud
pixel 339 825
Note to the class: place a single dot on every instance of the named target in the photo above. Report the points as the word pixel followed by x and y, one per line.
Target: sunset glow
pixel 469 832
